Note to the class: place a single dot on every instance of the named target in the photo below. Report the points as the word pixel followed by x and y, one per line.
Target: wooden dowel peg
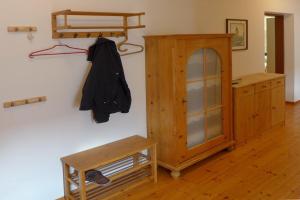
pixel 66 21
pixel 24 102
pixel 140 20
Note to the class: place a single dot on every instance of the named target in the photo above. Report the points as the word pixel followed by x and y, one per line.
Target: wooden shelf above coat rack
pixel 63 31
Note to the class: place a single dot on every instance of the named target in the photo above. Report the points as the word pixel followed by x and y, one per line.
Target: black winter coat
pixel 105 90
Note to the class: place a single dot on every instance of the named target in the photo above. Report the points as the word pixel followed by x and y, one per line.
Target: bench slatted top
pixel 108 153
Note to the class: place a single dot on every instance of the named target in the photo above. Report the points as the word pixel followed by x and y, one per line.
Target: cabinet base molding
pixel 293 102
pixel 175 174
pixel 175 170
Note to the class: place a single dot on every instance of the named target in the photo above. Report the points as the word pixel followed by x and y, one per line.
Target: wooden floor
pixel 265 168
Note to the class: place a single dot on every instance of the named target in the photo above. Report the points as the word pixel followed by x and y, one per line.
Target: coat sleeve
pixel 88 92
pixel 91 53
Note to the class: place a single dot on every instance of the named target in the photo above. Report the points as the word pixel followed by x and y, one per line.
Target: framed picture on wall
pixel 239 29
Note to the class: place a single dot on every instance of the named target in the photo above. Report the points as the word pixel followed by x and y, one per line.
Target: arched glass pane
pixel 204 97
pixel 212 63
pixel 196 66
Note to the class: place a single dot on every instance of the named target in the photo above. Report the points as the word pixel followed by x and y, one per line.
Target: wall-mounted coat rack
pixel 24 102
pixel 22 29
pixel 28 29
pixel 63 31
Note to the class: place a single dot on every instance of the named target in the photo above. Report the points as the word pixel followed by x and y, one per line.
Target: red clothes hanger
pixel 40 52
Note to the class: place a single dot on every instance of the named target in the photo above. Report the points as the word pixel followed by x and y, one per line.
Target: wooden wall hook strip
pixel 22 102
pixel 22 29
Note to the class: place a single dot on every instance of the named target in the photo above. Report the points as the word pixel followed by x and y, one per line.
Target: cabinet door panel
pixel 278 105
pixel 262 111
pixel 205 98
pixel 244 118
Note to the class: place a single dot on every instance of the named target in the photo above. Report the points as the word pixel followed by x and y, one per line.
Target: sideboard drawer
pixel 277 82
pixel 244 91
pixel 262 86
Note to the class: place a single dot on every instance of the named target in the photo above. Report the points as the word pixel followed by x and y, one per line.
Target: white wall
pixel 34 137
pixel 289 61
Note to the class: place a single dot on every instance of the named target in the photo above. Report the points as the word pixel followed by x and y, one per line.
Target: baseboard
pixel 292 103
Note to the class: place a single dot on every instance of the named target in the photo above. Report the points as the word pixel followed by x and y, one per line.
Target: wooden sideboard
pixel 259 105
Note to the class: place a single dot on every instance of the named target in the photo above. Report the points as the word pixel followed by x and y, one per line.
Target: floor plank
pixel 265 168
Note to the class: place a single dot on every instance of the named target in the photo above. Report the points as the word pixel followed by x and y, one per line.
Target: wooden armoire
pixel 189 97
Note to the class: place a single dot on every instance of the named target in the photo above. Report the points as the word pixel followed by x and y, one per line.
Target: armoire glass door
pixel 204 97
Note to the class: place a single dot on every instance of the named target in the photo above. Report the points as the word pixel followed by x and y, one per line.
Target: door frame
pixel 279 42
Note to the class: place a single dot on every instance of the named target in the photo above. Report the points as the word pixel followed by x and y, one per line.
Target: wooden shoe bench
pixel 127 163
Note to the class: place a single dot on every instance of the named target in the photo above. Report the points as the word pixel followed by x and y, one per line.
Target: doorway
pixel 274 43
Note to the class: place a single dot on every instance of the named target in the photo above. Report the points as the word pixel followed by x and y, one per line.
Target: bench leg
pixel 67 185
pixel 154 162
pixel 82 185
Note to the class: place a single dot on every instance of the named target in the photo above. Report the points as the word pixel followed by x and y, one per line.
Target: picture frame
pixel 239 29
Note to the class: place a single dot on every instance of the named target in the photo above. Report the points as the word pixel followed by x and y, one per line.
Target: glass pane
pixel 204 117
pixel 213 63
pixel 214 124
pixel 195 97
pixel 196 133
pixel 214 93
pixel 195 66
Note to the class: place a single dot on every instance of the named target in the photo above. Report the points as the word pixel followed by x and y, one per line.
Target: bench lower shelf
pixel 119 185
